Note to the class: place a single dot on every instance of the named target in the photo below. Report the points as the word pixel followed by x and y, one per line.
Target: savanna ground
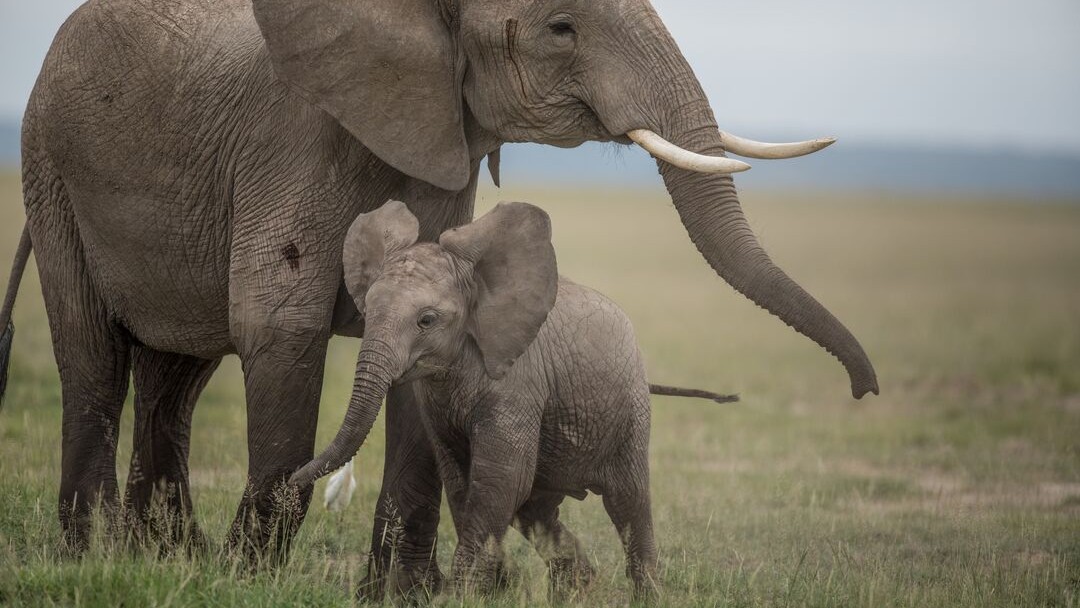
pixel 958 486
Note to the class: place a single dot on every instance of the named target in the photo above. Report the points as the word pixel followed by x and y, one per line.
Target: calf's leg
pixel 568 566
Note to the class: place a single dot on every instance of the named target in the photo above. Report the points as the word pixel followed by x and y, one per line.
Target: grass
pixel 959 486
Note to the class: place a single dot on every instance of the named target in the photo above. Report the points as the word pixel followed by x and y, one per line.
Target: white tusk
pixel 684 159
pixel 756 149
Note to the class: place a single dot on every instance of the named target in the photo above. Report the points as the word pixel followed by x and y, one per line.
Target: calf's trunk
pixel 375 370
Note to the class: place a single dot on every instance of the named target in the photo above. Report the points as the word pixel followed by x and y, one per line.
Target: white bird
pixel 339 489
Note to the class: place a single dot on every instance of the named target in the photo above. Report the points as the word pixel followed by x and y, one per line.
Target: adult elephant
pixel 191 169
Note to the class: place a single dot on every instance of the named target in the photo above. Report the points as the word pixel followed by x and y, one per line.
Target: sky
pixel 965 73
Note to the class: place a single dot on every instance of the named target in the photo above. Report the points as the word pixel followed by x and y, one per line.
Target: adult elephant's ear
pixel 385 69
pixel 372 238
pixel 516 278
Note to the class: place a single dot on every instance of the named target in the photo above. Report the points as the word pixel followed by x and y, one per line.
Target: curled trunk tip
pixel 307 475
pixel 862 386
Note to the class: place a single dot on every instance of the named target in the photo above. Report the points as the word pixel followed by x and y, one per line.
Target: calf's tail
pixel 674 391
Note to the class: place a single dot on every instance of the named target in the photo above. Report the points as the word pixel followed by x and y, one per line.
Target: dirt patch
pixel 1062 493
pixel 1071 403
pixel 937 483
pixel 942 490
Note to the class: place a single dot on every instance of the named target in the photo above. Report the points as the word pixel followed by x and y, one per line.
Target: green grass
pixel 959 486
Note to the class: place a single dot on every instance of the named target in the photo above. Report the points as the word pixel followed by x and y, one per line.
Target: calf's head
pixel 491 282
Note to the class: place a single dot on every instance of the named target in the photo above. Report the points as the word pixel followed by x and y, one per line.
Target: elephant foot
pixel 78 525
pixel 568 578
pixel 74 540
pixel 645 597
pixel 411 583
pixel 402 559
pixel 266 524
pixel 161 519
pixel 504 577
pixel 170 538
pixel 480 574
pixel 646 590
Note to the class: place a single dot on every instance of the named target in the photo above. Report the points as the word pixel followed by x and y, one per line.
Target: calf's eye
pixel 427 320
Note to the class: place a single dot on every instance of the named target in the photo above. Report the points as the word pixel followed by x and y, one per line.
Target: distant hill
pixel 842 167
pixel 10 134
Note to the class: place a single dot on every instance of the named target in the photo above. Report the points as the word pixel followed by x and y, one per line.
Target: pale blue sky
pixel 979 73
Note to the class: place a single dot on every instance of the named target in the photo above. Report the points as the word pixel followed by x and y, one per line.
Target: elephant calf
pixel 533 387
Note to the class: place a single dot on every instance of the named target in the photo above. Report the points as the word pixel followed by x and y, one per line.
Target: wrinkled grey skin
pixel 512 440
pixel 190 171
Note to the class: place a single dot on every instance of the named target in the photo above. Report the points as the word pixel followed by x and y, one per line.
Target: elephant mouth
pixel 582 124
pixel 421 369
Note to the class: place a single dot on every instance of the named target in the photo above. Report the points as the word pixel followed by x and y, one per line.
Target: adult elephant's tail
pixel 693 393
pixel 22 255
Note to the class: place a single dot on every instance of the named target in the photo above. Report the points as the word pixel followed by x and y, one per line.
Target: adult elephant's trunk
pixel 375 370
pixel 710 210
pixel 658 92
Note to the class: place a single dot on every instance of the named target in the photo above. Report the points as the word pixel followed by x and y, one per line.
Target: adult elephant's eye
pixel 427 320
pixel 562 27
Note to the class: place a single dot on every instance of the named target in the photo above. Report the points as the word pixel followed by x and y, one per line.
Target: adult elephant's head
pixel 402 75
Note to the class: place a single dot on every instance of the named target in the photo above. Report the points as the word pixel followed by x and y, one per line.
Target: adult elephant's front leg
pixel 282 288
pixel 283 358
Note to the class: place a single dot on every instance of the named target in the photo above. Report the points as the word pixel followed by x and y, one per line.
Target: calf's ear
pixel 516 279
pixel 372 238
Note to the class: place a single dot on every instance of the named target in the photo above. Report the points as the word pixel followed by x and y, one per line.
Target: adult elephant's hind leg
pixel 93 363
pixel 283 356
pixel 158 495
pixel 92 355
